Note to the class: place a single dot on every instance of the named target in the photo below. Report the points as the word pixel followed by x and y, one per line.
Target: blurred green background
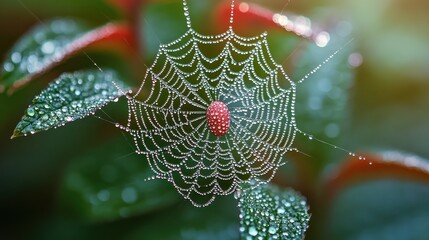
pixel 385 106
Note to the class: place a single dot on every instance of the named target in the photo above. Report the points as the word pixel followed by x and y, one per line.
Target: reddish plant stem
pixel 113 35
pixel 376 166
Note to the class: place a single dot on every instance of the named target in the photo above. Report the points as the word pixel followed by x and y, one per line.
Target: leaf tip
pixel 16 134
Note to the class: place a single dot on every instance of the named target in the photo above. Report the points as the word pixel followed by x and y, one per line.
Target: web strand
pixel 231 17
pixel 328 59
pixel 186 14
pixel 167 114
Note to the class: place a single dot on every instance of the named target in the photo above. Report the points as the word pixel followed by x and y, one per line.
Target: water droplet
pixel 244 7
pixel 30 112
pixel 252 231
pixel 32 59
pixel 74 104
pixel 48 47
pixel 314 102
pixel 322 39
pixel 332 130
pixel 8 67
pixel 129 195
pixel 237 194
pixel 103 195
pixel 16 57
pixel 355 59
pixel 272 229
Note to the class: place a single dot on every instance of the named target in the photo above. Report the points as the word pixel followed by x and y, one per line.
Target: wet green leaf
pixel 43 46
pixel 71 97
pixel 110 183
pixel 266 212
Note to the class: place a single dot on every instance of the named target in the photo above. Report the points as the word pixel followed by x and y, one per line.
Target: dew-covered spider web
pixel 167 114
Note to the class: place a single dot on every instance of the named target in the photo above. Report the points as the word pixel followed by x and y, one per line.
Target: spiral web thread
pixel 167 114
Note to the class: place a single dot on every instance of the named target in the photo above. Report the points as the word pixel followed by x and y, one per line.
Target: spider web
pixel 167 114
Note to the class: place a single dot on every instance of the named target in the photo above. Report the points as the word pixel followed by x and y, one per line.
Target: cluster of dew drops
pixel 281 215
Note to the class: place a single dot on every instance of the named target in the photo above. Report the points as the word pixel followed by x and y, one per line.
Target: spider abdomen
pixel 218 118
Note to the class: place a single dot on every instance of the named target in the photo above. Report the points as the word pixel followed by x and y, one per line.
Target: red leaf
pixel 245 16
pixel 383 165
pixel 252 18
pixel 114 36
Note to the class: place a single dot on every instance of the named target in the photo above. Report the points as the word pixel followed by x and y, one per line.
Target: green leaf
pixel 266 212
pixel 44 45
pixel 110 183
pixel 71 97
pixel 379 210
pixel 52 43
